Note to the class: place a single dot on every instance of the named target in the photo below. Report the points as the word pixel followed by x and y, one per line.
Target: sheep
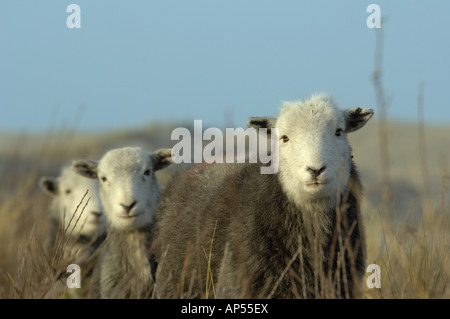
pixel 129 192
pixel 76 223
pixel 226 230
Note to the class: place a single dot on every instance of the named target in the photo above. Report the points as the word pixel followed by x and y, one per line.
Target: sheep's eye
pixel 68 191
pixel 104 179
pixel 147 172
pixel 285 138
pixel 338 132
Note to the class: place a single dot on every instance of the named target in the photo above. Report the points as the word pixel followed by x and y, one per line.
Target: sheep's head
pixel 68 190
pixel 314 153
pixel 129 189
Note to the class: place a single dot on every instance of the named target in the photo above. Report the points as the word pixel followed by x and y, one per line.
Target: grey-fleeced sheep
pixel 129 192
pixel 76 223
pixel 226 230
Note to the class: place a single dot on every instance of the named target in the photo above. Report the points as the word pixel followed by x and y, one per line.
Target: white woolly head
pixel 67 191
pixel 129 189
pixel 314 153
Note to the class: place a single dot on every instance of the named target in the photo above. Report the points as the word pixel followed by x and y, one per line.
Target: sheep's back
pixel 214 203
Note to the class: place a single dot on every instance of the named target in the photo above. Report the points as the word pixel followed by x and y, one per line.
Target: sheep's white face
pixel 314 153
pixel 129 189
pixel 68 191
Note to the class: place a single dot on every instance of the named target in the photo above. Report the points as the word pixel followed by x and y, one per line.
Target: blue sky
pixel 136 62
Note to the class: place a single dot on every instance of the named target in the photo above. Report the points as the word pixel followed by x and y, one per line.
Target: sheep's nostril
pixel 321 170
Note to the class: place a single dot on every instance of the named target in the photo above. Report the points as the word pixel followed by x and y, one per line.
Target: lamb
pixel 129 192
pixel 226 230
pixel 76 222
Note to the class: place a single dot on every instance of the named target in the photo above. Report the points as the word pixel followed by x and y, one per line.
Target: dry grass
pixel 413 259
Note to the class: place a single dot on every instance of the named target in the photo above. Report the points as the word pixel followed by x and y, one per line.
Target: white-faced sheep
pixel 76 221
pixel 226 230
pixel 129 192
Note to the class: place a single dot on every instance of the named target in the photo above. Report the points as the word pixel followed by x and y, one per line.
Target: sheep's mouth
pixel 129 216
pixel 316 184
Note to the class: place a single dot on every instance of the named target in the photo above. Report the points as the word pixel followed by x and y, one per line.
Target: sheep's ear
pixel 161 158
pixel 49 185
pixel 355 118
pixel 261 122
pixel 86 168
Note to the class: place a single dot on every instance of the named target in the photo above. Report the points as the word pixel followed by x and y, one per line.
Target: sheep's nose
pixel 316 172
pixel 97 214
pixel 128 207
